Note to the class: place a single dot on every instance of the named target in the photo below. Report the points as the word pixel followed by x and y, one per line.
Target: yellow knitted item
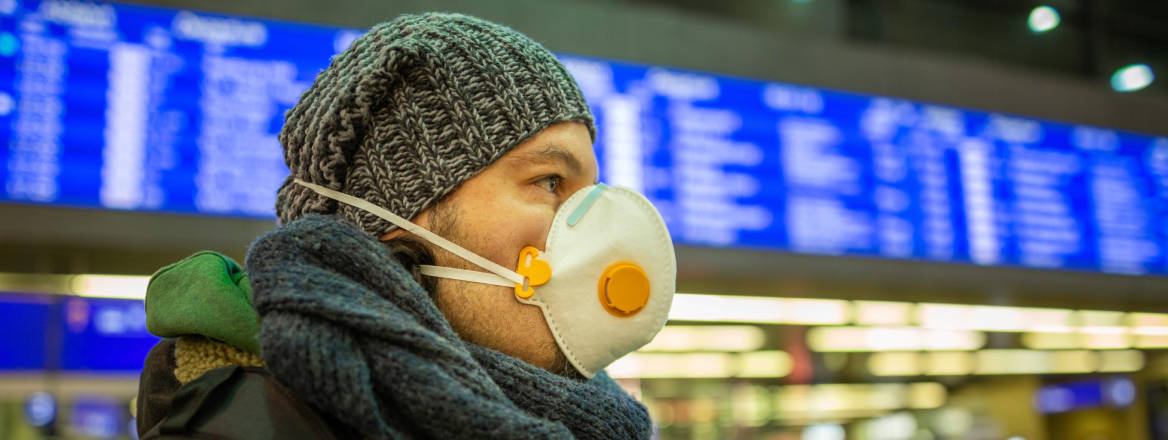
pixel 195 355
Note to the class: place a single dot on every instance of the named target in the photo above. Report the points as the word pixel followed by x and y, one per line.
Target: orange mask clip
pixel 535 271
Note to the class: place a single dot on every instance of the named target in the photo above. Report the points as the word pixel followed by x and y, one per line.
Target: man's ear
pixel 392 235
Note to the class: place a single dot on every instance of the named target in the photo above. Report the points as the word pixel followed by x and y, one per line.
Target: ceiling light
pixel 1132 77
pixel 110 286
pixel 859 339
pixel 758 309
pixel 707 338
pixel 1042 19
pixel 757 364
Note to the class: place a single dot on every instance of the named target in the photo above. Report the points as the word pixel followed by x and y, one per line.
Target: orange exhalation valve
pixel 535 271
pixel 623 289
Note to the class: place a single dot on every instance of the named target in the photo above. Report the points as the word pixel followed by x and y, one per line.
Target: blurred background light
pixel 1042 19
pixel 1159 320
pixel 707 338
pixel 947 363
pixel 1096 318
pixel 926 395
pixel 1004 362
pixel 1010 361
pixel 698 307
pixel 859 339
pixel 1119 391
pixel 1120 361
pixel 1150 331
pixel 828 401
pixel 992 318
pixel 954 422
pixel 761 364
pixel 756 309
pixel 883 312
pixel 750 404
pixel 1094 338
pixel 40 409
pixel 1051 341
pixel 110 286
pixel 88 285
pixel 1150 341
pixel 1106 341
pixel 897 426
pixel 895 364
pixel 662 365
pixel 756 364
pixel 921 364
pixel 1132 77
pixel 824 431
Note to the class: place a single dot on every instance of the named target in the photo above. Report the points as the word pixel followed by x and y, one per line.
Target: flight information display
pixel 135 108
pixel 73 333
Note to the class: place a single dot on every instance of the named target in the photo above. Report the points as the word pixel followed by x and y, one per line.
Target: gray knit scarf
pixel 347 328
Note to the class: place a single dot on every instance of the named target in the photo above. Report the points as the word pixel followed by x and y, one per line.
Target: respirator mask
pixel 605 278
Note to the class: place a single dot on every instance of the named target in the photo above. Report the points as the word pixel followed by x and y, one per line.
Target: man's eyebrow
pixel 550 154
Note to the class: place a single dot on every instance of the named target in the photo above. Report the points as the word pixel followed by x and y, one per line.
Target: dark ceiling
pixel 1094 38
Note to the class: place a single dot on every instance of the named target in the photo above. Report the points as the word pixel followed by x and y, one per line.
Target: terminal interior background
pixel 898 219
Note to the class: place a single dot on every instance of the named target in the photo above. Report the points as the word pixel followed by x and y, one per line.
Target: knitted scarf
pixel 346 327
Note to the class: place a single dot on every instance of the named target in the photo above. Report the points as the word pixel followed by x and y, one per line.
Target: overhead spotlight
pixel 1132 77
pixel 1042 19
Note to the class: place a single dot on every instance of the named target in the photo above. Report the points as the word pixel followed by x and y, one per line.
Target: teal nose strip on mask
pixel 586 203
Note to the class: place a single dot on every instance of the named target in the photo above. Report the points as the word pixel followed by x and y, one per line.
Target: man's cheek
pixel 537 232
pixel 526 227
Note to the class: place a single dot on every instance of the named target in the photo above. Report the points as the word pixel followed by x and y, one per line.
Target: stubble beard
pixel 444 222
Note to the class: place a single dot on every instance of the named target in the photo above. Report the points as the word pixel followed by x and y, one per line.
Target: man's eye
pixel 550 183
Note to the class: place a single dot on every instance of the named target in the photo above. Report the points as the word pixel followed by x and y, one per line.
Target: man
pixel 479 136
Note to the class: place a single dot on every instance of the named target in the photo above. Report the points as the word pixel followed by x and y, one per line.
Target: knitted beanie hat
pixel 415 107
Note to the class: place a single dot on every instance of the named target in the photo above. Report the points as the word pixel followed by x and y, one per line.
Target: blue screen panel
pixel 24 324
pixel 1117 392
pixel 734 162
pixel 67 333
pixel 138 108
pixel 104 335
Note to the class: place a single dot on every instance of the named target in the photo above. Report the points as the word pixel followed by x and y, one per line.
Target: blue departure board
pixel 72 333
pixel 136 108
pixel 733 162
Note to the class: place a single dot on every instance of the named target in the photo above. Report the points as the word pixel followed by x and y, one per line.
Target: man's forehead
pixel 553 154
pixel 548 153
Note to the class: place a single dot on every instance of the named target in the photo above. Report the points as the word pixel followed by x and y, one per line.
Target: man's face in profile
pixel 496 213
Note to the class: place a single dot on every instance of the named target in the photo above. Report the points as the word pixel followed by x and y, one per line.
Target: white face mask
pixel 604 281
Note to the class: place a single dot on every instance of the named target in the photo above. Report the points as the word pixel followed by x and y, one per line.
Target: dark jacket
pixel 230 402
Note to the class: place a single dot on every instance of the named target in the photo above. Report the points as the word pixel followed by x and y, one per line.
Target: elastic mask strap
pixel 431 237
pixel 473 276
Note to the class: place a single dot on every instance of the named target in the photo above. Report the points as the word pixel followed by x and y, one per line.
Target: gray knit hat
pixel 415 107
